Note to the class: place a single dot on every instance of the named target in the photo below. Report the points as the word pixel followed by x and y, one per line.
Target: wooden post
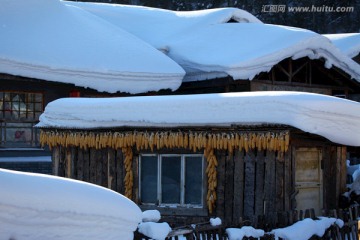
pixel 111 174
pixel 259 189
pixel 287 180
pixel 229 189
pixel 238 187
pixel 249 186
pixel 55 160
pixel 80 165
pixel 269 186
pixel 279 182
pixel 342 170
pixel 220 190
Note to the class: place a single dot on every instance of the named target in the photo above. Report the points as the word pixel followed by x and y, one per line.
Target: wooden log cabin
pixel 229 163
pixel 81 71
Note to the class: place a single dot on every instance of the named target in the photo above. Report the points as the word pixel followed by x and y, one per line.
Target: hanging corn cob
pixel 212 178
pixel 195 141
pixel 129 178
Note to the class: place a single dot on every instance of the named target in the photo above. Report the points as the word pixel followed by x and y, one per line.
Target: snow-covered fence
pixel 343 226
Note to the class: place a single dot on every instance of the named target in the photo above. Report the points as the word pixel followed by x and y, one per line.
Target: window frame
pixel 182 180
pixel 25 119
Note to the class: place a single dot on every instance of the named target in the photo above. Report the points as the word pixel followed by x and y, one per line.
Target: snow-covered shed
pixel 230 155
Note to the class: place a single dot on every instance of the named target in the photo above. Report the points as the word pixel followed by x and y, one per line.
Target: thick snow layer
pixel 334 118
pixel 36 207
pixel 207 47
pixel 158 26
pixel 348 43
pixel 151 216
pixel 49 40
pixel 157 231
pixel 304 229
pixel 246 231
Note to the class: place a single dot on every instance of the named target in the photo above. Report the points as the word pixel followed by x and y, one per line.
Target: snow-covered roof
pixel 206 46
pixel 49 40
pixel 334 118
pixel 112 47
pixel 348 43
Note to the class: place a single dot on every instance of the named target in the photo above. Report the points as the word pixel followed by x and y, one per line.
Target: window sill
pixel 177 211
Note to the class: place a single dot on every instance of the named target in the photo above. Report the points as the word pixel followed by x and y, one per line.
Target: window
pixel 170 179
pixel 19 112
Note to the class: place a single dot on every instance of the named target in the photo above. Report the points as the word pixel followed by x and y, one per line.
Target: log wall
pixel 253 187
pixel 253 184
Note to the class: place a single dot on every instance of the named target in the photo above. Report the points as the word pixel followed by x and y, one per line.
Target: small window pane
pixel 149 173
pixel 170 179
pixel 193 180
pixel 38 98
pixel 38 107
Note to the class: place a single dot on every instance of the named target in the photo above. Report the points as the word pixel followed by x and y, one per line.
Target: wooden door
pixel 308 179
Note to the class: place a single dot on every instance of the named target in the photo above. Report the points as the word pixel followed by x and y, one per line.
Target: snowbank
pixel 215 222
pixel 304 229
pixel 157 231
pixel 333 118
pixel 246 231
pixel 151 216
pixel 348 43
pixel 34 206
pixel 206 47
pixel 49 40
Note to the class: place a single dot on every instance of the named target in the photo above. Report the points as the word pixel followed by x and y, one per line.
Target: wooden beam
pixel 290 66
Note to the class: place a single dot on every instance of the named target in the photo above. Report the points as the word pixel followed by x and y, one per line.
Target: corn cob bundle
pixel 167 139
pixel 129 178
pixel 212 178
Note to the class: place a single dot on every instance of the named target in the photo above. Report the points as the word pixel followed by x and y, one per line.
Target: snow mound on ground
pixel 49 40
pixel 35 206
pixel 215 222
pixel 246 231
pixel 333 118
pixel 304 229
pixel 157 231
pixel 151 216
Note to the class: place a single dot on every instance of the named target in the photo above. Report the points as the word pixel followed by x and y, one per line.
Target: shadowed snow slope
pixel 39 207
pixel 334 118
pixel 206 46
pixel 49 40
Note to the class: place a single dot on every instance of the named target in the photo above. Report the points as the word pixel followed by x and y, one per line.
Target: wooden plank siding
pixel 254 187
pixel 253 184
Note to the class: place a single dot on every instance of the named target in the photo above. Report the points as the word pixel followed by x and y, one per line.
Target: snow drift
pixel 334 118
pixel 39 207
